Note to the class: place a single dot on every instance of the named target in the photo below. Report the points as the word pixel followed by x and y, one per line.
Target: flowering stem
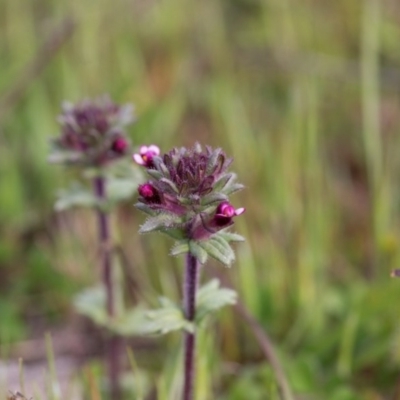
pixel 113 345
pixel 189 304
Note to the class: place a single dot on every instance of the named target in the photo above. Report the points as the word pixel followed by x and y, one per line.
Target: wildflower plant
pixel 94 141
pixel 187 198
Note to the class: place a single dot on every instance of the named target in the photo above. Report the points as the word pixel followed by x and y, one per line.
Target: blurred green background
pixel 303 94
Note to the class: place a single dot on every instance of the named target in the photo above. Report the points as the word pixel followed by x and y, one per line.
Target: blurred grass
pixel 304 95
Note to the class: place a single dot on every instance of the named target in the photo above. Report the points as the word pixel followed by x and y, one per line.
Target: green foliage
pixel 217 247
pixel 75 196
pixel 211 297
pixel 160 222
pixel 122 181
pixel 166 319
pixel 91 302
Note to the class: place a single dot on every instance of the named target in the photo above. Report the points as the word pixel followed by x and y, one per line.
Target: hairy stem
pixel 189 304
pixel 113 344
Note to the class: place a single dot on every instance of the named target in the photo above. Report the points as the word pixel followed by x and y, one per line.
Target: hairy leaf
pixel 175 233
pixel 145 208
pixel 159 222
pixel 212 297
pixel 213 160
pixel 180 248
pixel 165 319
pixel 197 251
pixel 213 198
pixel 216 250
pixel 231 237
pixel 232 188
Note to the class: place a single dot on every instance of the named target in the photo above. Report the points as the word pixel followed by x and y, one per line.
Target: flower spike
pixel 92 133
pixel 187 197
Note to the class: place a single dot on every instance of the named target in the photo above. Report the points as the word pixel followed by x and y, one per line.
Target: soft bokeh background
pixel 303 94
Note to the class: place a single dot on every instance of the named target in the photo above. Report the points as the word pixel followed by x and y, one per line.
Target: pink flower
pixel 225 212
pixel 119 145
pixel 146 155
pixel 149 193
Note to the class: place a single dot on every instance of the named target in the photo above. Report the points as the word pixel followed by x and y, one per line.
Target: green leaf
pixel 234 187
pixel 175 233
pixel 231 237
pixel 166 319
pixel 130 323
pixel 160 222
pixel 146 209
pixel 92 303
pixel 213 160
pixel 197 251
pixel 217 249
pixel 180 248
pixel 227 184
pixel 75 196
pixel 221 181
pixel 224 246
pixel 161 167
pixel 212 297
pixel 120 189
pixel 169 184
pixel 155 174
pixel 213 198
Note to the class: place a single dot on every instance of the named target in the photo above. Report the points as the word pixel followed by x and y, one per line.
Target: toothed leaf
pixel 159 222
pixel 175 233
pixel 198 252
pixel 166 319
pixel 211 297
pixel 145 208
pixel 180 248
pixel 218 251
pixel 231 237
pixel 213 198
pixel 232 188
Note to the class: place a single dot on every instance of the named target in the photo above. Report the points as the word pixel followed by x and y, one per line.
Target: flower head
pixel 92 132
pixel 146 155
pixel 187 197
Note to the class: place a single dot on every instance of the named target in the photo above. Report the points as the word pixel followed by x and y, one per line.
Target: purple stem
pixel 189 304
pixel 113 345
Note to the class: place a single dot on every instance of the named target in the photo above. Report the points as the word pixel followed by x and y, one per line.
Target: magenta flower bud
pixel 149 193
pixel 146 155
pixel 225 212
pixel 119 145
